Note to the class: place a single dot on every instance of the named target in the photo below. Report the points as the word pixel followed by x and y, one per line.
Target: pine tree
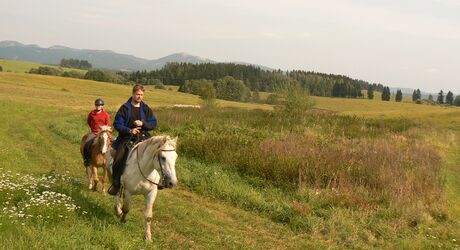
pixel 457 101
pixel 399 96
pixel 386 95
pixel 419 95
pixel 370 92
pixel 440 99
pixel 414 96
pixel 430 97
pixel 450 98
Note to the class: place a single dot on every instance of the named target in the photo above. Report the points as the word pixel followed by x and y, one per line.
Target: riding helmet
pixel 99 102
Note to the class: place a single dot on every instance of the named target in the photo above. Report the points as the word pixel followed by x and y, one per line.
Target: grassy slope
pixel 80 94
pixel 21 66
pixel 183 219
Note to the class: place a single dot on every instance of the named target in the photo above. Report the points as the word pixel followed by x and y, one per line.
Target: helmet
pixel 99 102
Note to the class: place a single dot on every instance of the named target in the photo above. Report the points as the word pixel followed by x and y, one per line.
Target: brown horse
pixel 99 148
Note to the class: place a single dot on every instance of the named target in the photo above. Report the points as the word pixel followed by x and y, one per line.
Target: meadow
pixel 352 173
pixel 24 67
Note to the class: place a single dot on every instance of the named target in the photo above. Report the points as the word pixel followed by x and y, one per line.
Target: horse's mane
pixel 160 141
pixel 104 128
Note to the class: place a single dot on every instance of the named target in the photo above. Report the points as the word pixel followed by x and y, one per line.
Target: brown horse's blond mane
pixel 160 141
pixel 104 128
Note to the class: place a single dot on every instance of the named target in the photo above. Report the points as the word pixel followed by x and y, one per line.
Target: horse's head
pixel 103 138
pixel 167 156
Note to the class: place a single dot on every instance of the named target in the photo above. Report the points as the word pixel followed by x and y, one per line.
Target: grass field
pixel 21 66
pixel 45 204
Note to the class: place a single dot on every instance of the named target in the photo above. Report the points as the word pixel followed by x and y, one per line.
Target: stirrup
pixel 113 190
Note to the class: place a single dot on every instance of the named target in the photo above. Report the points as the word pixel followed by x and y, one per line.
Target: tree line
pixel 254 78
pixel 75 63
pixel 236 82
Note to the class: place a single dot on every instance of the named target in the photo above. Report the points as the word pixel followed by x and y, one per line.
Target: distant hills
pixel 108 59
pixel 98 58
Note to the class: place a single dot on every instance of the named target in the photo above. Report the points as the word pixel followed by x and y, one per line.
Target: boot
pixel 86 162
pixel 113 190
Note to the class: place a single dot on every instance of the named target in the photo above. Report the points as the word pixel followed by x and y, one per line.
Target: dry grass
pixel 80 94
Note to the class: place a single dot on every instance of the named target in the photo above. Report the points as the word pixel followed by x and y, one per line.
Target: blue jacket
pixel 122 120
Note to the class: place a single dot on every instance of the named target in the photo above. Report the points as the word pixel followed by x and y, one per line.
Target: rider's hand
pixel 138 123
pixel 135 131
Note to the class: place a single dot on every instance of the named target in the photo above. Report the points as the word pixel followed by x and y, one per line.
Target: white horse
pixel 150 164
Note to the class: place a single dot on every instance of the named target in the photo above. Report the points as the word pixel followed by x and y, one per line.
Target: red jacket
pixel 95 120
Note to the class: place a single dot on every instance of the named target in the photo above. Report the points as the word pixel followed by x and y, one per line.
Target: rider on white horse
pixel 133 121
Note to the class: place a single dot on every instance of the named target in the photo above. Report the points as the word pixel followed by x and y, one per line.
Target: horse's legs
pixel 148 210
pixel 90 177
pixel 126 205
pixel 117 205
pixel 105 179
pixel 95 177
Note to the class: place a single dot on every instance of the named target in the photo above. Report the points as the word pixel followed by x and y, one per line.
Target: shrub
pixel 160 86
pixel 73 74
pixel 99 75
pixel 228 88
pixel 457 101
pixel 44 70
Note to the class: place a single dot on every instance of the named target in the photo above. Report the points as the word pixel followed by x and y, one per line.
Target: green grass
pixel 216 205
pixel 182 219
pixel 9 65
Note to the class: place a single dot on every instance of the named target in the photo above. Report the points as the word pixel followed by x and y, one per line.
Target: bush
pixel 73 74
pixel 273 99
pixel 296 99
pixel 44 70
pixel 160 86
pixel 228 88
pixel 98 75
pixel 457 101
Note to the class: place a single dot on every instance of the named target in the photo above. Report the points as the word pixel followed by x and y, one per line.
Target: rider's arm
pixel 88 119
pixel 120 119
pixel 150 121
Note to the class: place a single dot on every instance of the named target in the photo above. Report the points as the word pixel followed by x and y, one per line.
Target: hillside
pixel 98 58
pixel 224 199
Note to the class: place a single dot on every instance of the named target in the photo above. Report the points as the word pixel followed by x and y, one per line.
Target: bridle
pixel 159 161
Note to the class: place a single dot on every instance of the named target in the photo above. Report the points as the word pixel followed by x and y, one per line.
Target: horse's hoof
pixel 148 239
pixel 118 212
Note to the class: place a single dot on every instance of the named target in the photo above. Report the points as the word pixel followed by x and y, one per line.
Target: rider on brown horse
pixel 96 119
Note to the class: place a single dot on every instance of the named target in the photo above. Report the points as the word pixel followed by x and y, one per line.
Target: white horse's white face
pixel 168 157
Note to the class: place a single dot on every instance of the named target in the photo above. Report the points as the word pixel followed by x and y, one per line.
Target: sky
pixel 407 44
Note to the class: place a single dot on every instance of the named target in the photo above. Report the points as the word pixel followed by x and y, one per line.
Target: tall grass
pixel 352 162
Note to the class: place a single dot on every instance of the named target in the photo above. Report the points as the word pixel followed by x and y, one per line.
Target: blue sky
pixel 414 44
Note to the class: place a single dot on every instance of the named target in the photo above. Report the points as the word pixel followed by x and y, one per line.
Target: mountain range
pixel 105 59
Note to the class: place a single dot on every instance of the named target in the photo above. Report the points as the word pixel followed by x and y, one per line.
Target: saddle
pixel 87 152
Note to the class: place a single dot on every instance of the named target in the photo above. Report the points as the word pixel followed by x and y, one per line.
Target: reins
pixel 159 161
